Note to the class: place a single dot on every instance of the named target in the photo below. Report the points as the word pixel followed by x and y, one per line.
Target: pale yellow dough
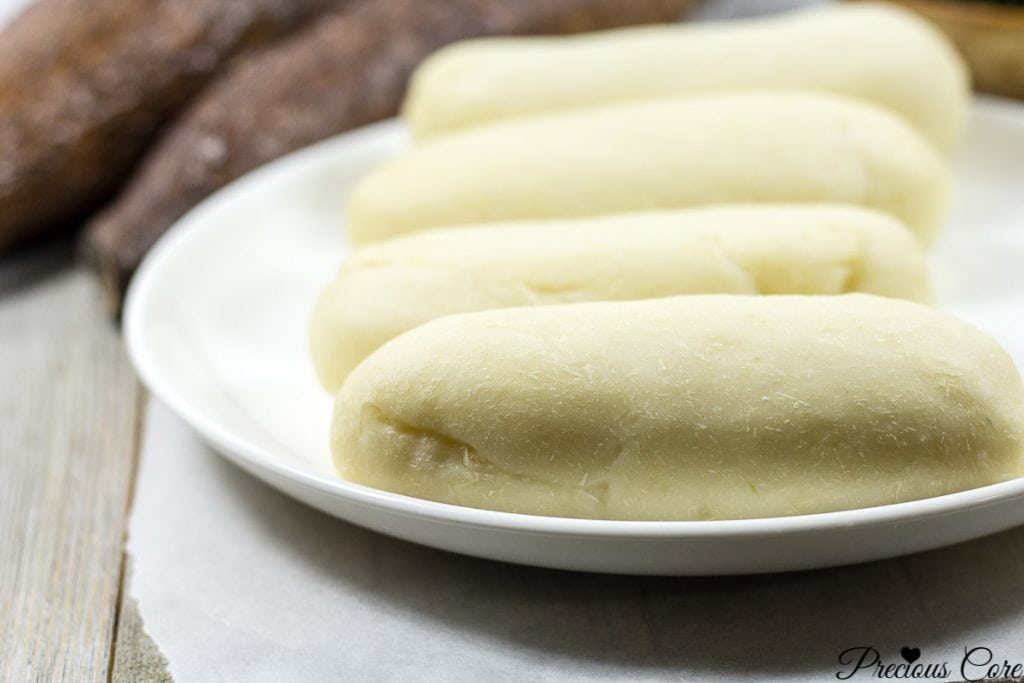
pixel 664 154
pixel 874 52
pixel 386 289
pixel 692 407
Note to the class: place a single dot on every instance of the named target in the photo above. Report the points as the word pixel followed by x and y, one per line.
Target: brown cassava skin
pixel 347 69
pixel 84 87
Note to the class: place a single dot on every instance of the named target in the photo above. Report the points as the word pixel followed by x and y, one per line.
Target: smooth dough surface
pixel 874 52
pixel 664 154
pixel 388 288
pixel 692 407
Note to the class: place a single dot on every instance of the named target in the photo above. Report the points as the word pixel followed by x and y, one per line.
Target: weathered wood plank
pixel 69 410
pixel 136 656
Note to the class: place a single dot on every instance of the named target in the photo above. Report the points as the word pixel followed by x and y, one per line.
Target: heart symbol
pixel 911 654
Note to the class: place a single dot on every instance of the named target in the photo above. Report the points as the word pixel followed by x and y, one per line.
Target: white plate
pixel 216 326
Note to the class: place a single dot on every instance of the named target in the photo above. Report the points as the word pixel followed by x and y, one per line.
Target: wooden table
pixel 70 410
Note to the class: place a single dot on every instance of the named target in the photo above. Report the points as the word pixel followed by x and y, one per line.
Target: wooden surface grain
pixel 135 657
pixel 69 420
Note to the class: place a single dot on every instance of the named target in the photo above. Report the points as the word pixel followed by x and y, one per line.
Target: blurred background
pixel 117 116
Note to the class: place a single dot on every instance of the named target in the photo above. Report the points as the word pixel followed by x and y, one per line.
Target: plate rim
pixel 258 461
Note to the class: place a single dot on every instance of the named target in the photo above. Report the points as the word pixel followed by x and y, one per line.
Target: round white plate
pixel 216 326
